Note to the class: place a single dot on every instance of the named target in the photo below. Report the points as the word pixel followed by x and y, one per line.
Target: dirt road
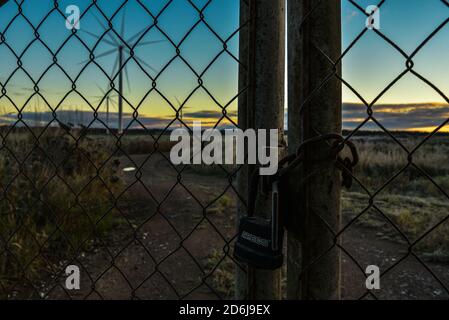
pixel 178 231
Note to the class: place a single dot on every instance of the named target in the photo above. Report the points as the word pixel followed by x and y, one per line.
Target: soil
pixel 176 232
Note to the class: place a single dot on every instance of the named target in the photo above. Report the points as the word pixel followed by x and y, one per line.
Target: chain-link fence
pixel 390 218
pixel 77 192
pixel 86 178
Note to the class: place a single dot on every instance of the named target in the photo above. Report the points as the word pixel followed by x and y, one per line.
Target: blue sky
pixel 373 63
pixel 369 66
pixel 175 83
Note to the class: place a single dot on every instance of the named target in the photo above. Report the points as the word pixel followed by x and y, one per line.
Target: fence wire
pixel 55 212
pixel 372 202
pixel 40 236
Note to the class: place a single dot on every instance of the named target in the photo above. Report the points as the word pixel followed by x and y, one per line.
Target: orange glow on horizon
pixel 445 129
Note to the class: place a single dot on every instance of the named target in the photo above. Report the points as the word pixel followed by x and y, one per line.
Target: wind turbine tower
pixel 120 48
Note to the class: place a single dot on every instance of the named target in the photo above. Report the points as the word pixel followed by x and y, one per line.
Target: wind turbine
pixel 10 92
pixel 121 48
pixel 109 102
pixel 39 105
pixel 181 111
pixel 36 105
pixel 2 113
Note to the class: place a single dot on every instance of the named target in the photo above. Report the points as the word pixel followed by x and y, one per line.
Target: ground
pixel 173 248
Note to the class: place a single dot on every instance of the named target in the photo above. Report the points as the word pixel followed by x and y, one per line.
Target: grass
pixel 223 276
pixel 411 201
pixel 414 216
pixel 138 144
pixel 54 203
pixel 380 160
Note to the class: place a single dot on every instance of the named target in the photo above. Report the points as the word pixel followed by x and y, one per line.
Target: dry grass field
pixel 152 234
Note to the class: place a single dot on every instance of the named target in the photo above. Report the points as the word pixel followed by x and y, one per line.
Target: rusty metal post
pixel 264 107
pixel 313 259
pixel 241 281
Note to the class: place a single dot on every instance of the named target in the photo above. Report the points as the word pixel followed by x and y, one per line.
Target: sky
pixel 369 66
pixel 373 63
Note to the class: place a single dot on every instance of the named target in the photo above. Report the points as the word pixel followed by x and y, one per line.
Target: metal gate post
pixel 263 109
pixel 241 281
pixel 313 258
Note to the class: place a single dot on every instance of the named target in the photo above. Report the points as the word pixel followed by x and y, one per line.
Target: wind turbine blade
pixel 144 63
pixel 127 78
pixel 101 89
pixel 98 37
pixel 122 29
pixel 148 42
pixel 114 69
pixel 178 101
pixel 138 34
pixel 105 28
pixel 105 53
pixel 100 55
pixel 110 96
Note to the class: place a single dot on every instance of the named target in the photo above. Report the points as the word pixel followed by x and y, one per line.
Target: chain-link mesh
pixel 77 192
pixel 391 218
pixel 138 226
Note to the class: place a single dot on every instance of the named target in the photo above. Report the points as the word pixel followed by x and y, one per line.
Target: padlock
pixel 260 241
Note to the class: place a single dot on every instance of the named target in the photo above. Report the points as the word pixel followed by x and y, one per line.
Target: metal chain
pixel 289 163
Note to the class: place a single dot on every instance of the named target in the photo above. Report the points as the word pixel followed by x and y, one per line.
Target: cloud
pixel 397 116
pixel 86 118
pixel 207 114
pixel 418 116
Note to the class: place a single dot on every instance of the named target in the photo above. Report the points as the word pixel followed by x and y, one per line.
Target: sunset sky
pixel 369 66
pixel 373 63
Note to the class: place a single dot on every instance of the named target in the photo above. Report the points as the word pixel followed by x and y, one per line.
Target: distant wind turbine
pixel 181 111
pixel 37 106
pixel 2 112
pixel 120 48
pixel 109 102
